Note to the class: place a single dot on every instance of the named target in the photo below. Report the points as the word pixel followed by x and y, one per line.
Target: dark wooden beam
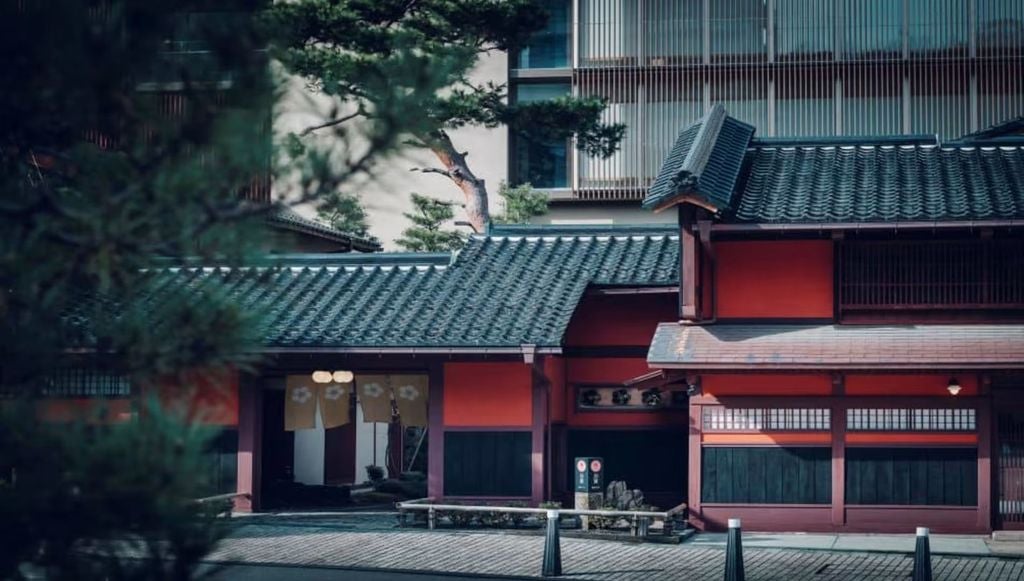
pixel 689 268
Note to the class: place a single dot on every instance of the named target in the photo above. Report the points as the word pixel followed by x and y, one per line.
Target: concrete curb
pixel 459 574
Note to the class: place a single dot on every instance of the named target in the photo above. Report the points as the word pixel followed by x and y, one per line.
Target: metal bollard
pixel 922 556
pixel 552 564
pixel 431 518
pixel 734 552
pixel 645 524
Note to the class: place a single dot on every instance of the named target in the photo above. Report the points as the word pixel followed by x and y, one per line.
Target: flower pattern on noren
pixel 302 394
pixel 408 392
pixel 373 390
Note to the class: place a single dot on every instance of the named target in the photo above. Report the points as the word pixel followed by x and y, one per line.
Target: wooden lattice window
pixel 722 419
pixel 910 420
pixel 964 274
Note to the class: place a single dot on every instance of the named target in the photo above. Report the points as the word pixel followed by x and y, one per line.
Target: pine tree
pixel 101 190
pixel 343 211
pixel 520 204
pixel 331 42
pixel 427 234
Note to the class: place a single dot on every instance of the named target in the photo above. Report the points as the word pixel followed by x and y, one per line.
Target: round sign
pixel 595 465
pixel 581 466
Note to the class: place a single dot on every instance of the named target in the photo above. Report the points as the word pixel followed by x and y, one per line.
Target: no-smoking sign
pixel 581 466
pixel 595 466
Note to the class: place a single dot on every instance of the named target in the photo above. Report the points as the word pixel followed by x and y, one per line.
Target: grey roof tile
pixel 705 161
pixel 881 183
pixel 516 286
pixel 763 346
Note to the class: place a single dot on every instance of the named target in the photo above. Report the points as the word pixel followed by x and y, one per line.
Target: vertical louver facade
pixel 789 67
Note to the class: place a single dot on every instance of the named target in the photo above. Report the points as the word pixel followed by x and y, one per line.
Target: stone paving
pixel 375 543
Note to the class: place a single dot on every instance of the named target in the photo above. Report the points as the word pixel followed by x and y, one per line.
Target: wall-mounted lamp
pixel 336 377
pixel 953 387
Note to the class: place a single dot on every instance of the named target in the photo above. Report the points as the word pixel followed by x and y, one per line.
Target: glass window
pixel 745 97
pixel 608 33
pixel 805 104
pixel 1000 91
pixel 542 163
pixel 549 48
pixel 804 30
pixel 1000 27
pixel 872 101
pixel 673 31
pixel 672 103
pixel 622 169
pixel 738 31
pixel 938 28
pixel 939 102
pixel 874 29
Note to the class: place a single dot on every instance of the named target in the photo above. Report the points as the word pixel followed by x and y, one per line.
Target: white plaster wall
pixel 387 195
pixel 605 214
pixel 309 454
pixel 366 452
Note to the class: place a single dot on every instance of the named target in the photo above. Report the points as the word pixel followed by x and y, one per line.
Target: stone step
pixel 1008 536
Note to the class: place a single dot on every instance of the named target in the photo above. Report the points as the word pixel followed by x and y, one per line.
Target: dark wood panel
pixel 912 476
pixel 766 475
pixel 487 463
pixel 654 460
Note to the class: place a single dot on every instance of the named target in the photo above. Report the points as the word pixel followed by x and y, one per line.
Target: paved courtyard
pixel 374 543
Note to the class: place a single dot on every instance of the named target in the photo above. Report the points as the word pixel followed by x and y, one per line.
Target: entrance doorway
pixel 1010 466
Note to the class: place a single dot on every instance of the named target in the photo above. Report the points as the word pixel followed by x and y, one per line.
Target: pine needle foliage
pixel 427 233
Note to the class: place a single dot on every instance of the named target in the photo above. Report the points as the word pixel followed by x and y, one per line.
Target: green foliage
pixel 342 47
pixel 427 233
pixel 116 162
pixel 374 473
pixel 343 211
pixel 105 501
pixel 520 204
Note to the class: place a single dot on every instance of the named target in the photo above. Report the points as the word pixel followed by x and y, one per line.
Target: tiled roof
pixel 717 164
pixel 1006 128
pixel 704 162
pixel 733 346
pixel 880 183
pixel 517 286
pixel 288 219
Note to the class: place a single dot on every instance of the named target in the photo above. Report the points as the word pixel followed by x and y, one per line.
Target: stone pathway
pixel 374 543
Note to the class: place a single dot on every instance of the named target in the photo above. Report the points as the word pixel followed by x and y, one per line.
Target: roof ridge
pixel 318 259
pixel 839 140
pixel 703 143
pixel 586 230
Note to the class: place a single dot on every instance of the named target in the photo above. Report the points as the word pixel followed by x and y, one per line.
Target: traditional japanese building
pixel 851 327
pixel 831 338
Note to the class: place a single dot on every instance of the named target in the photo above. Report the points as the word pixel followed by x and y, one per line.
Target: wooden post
pixel 435 433
pixel 694 464
pixel 838 411
pixel 689 271
pixel 985 465
pixel 250 436
pixel 539 417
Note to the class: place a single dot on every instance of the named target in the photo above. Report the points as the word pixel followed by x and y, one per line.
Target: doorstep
pixel 972 545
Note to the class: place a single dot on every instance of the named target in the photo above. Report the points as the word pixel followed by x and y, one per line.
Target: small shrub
pixel 543 518
pixel 462 518
pixel 516 518
pixel 493 518
pixel 412 477
pixel 374 473
pixel 604 522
